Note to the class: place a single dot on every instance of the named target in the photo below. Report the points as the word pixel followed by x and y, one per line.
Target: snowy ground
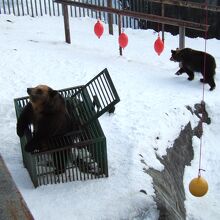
pixel 153 101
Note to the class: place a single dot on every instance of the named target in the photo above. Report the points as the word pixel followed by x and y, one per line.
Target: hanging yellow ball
pixel 198 186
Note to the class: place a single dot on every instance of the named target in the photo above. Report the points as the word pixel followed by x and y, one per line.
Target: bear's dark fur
pixel 47 112
pixel 193 61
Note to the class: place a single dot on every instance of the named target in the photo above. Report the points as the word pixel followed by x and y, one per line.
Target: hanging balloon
pixel 158 46
pixel 123 40
pixel 198 186
pixel 98 29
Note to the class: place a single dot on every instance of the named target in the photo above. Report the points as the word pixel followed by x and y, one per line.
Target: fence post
pixel 66 23
pixel 181 37
pixel 181 40
pixel 162 8
pixel 119 32
pixel 110 18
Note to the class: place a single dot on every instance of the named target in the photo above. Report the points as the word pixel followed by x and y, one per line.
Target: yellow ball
pixel 198 186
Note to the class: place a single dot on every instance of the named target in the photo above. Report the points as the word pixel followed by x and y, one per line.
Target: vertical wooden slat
pixel 36 5
pixel 27 6
pixel 18 10
pixel 49 7
pixel 119 32
pixel 181 37
pixel 41 10
pixel 3 4
pixel 58 8
pixel 162 13
pixel 45 7
pixel 9 9
pixel 53 8
pixel 32 9
pixel 110 18
pixel 66 23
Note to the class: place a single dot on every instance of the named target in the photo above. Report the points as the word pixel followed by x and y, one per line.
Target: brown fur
pixel 195 61
pixel 48 114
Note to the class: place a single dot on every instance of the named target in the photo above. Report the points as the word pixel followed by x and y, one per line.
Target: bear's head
pixel 176 55
pixel 44 99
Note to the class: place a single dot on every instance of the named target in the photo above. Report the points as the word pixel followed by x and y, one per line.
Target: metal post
pixel 119 32
pixel 110 18
pixel 162 13
pixel 181 37
pixel 66 23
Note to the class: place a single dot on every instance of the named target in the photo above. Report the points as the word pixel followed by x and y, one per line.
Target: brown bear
pixel 195 61
pixel 48 114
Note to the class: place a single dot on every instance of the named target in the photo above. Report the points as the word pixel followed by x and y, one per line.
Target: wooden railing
pixel 129 13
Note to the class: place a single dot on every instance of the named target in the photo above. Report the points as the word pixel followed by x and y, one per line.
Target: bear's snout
pixel 28 91
pixel 31 94
pixel 172 59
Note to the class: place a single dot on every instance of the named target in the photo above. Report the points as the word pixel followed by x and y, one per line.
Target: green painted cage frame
pixel 77 155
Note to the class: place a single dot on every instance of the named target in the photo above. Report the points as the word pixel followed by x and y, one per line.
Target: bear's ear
pixel 178 52
pixel 173 51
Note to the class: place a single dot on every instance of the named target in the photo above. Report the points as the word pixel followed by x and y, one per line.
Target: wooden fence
pixel 147 8
pixel 51 8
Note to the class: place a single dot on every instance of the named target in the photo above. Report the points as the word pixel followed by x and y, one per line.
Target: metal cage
pixel 77 155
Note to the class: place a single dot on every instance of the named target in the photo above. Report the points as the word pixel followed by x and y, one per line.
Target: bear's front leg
pixel 31 146
pixel 34 144
pixel 24 119
pixel 190 74
pixel 43 132
pixel 180 71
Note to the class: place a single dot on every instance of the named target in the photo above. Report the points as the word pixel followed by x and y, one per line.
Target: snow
pixel 147 120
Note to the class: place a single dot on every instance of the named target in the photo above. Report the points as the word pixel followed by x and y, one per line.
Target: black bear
pixel 195 61
pixel 48 114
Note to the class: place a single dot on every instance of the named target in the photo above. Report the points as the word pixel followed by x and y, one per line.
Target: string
pixel 203 91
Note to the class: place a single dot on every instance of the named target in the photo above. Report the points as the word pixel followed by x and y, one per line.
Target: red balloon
pixel 98 29
pixel 158 46
pixel 123 40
